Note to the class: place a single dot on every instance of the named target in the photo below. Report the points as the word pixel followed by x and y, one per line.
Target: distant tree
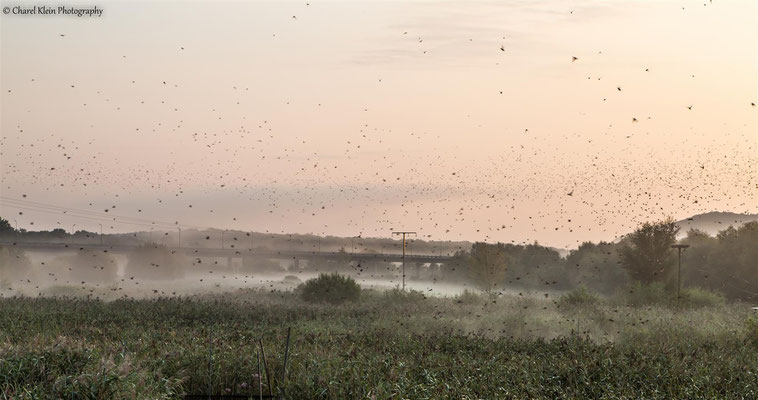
pixel 487 263
pixel 5 227
pixel 734 261
pixel 646 253
pixel 58 232
pixel 596 266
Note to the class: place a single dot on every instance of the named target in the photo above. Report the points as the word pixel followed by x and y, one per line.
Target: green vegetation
pixel 646 253
pixel 391 344
pixel 579 297
pixel 330 288
pixel 487 262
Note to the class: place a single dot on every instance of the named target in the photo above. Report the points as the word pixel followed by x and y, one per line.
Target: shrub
pixel 330 288
pixel 639 294
pixel 751 328
pixel 397 296
pixel 698 297
pixel 580 296
pixel 657 294
pixel 468 297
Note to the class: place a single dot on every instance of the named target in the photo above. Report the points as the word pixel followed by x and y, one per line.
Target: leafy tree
pixel 487 263
pixel 5 227
pixel 646 253
pixel 596 266
pixel 732 264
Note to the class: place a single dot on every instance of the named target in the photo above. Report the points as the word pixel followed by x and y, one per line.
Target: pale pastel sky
pixel 349 118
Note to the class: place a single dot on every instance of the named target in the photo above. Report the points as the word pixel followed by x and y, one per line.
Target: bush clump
pixel 399 296
pixel 697 297
pixel 330 288
pixel 656 294
pixel 580 296
pixel 638 295
pixel 751 328
pixel 469 297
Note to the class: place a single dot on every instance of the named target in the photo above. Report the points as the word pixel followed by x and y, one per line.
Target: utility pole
pixel 72 233
pixel 101 234
pixel 679 247
pixel 404 233
pixel 180 236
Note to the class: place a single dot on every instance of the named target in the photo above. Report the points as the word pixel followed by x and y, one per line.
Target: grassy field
pixel 388 345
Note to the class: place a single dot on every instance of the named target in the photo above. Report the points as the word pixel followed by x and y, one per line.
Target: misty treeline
pixel 726 263
pixel 234 239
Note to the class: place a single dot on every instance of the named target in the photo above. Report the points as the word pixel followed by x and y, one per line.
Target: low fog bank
pixel 724 264
pixel 155 271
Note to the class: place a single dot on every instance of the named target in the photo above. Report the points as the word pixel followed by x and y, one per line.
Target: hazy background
pixel 236 115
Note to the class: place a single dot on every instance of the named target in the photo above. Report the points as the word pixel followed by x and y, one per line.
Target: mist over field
pixel 374 200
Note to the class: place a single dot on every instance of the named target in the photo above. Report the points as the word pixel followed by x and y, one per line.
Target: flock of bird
pixel 253 170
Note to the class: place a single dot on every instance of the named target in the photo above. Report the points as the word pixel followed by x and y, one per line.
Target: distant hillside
pixel 713 222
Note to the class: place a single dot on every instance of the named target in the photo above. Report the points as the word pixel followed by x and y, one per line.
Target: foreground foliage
pixel 330 288
pixel 390 345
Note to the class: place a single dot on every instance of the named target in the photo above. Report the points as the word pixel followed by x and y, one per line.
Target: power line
pixel 89 215
pixel 74 210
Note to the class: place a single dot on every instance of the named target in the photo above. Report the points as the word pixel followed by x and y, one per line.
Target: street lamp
pixel 679 248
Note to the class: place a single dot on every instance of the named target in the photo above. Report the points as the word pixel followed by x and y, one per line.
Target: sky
pixel 515 121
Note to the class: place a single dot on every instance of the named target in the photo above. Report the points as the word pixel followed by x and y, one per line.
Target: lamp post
pixel 679 248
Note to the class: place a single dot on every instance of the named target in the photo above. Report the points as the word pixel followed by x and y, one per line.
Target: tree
pixel 487 263
pixel 596 266
pixel 646 253
pixel 5 227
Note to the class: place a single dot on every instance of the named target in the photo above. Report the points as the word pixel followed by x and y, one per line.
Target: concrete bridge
pixel 230 253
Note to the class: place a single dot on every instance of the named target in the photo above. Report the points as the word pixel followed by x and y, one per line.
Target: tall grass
pixel 389 345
